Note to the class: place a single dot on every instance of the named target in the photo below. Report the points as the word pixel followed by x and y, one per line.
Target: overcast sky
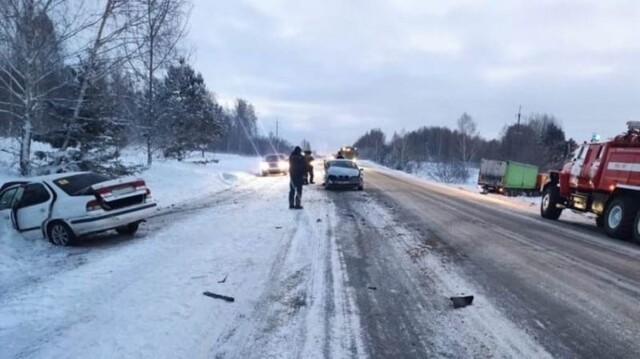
pixel 332 69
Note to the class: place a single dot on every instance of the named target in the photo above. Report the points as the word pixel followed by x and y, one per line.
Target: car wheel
pixel 360 188
pixel 129 229
pixel 550 198
pixel 636 229
pixel 60 234
pixel 619 217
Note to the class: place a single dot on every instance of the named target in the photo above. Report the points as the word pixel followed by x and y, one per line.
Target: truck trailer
pixel 508 177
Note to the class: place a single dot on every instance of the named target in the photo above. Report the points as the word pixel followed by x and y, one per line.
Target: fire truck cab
pixel 602 178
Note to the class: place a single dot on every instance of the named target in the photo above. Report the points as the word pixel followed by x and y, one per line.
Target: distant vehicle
pixel 64 207
pixel 343 173
pixel 508 177
pixel 602 178
pixel 274 164
pixel 349 153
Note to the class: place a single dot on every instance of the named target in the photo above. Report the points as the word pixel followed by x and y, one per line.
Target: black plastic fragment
pixel 218 296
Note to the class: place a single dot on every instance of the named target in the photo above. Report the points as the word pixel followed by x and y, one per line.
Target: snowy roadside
pixel 145 299
pixel 172 183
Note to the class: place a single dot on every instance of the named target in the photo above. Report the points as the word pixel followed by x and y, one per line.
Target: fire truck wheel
pixel 619 217
pixel 550 198
pixel 636 229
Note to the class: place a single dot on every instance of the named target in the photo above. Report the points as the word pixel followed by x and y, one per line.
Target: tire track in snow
pixel 244 333
pixel 303 311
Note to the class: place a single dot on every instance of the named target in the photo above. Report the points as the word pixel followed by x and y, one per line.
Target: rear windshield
pixel 77 185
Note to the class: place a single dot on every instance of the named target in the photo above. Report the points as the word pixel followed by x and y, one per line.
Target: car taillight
pixel 139 184
pixel 93 205
pixel 104 192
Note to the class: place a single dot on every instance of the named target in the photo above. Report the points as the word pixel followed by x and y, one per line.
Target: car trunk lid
pixel 120 193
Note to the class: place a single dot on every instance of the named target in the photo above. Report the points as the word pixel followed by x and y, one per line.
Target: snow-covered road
pixel 354 274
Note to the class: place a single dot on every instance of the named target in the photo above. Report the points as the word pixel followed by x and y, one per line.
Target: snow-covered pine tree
pixel 192 117
pixel 245 127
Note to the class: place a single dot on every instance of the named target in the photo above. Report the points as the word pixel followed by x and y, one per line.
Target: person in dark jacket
pixel 297 170
pixel 309 175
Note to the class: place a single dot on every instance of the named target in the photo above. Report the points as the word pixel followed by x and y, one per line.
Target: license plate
pixel 122 190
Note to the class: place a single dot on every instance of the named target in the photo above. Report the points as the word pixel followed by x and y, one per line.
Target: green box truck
pixel 508 177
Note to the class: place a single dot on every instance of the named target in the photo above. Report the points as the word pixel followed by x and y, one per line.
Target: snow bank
pixel 172 182
pixel 20 259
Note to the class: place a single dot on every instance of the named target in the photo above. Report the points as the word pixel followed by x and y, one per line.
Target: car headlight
pixel 264 166
pixel 283 165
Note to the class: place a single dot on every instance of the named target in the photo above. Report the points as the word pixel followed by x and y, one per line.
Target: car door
pixel 6 203
pixel 32 210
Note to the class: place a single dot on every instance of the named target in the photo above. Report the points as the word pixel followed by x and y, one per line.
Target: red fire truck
pixel 602 178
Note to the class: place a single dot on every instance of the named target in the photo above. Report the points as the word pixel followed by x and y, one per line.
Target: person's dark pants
pixel 295 193
pixel 310 174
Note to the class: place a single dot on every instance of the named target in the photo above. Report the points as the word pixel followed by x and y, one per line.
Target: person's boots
pixel 298 203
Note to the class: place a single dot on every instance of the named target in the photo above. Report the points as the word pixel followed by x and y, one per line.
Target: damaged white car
pixel 64 207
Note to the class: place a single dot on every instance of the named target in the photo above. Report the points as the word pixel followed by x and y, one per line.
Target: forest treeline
pixel 447 154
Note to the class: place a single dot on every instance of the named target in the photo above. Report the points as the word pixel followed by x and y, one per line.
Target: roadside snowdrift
pixel 172 183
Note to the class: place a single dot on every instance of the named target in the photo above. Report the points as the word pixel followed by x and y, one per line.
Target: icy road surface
pixel 354 274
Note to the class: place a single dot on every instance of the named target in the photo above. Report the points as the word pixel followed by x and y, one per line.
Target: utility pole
pixel 277 142
pixel 519 114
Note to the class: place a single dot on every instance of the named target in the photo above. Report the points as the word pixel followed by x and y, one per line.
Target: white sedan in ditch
pixel 63 207
pixel 342 173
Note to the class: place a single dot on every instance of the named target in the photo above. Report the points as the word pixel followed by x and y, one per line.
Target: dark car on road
pixel 274 164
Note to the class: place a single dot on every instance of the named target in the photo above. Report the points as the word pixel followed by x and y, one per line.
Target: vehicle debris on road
pixel 219 296
pixel 461 302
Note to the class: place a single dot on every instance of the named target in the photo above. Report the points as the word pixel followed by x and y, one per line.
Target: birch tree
pixel 468 129
pixel 37 37
pixel 156 44
pixel 32 34
pixel 111 25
